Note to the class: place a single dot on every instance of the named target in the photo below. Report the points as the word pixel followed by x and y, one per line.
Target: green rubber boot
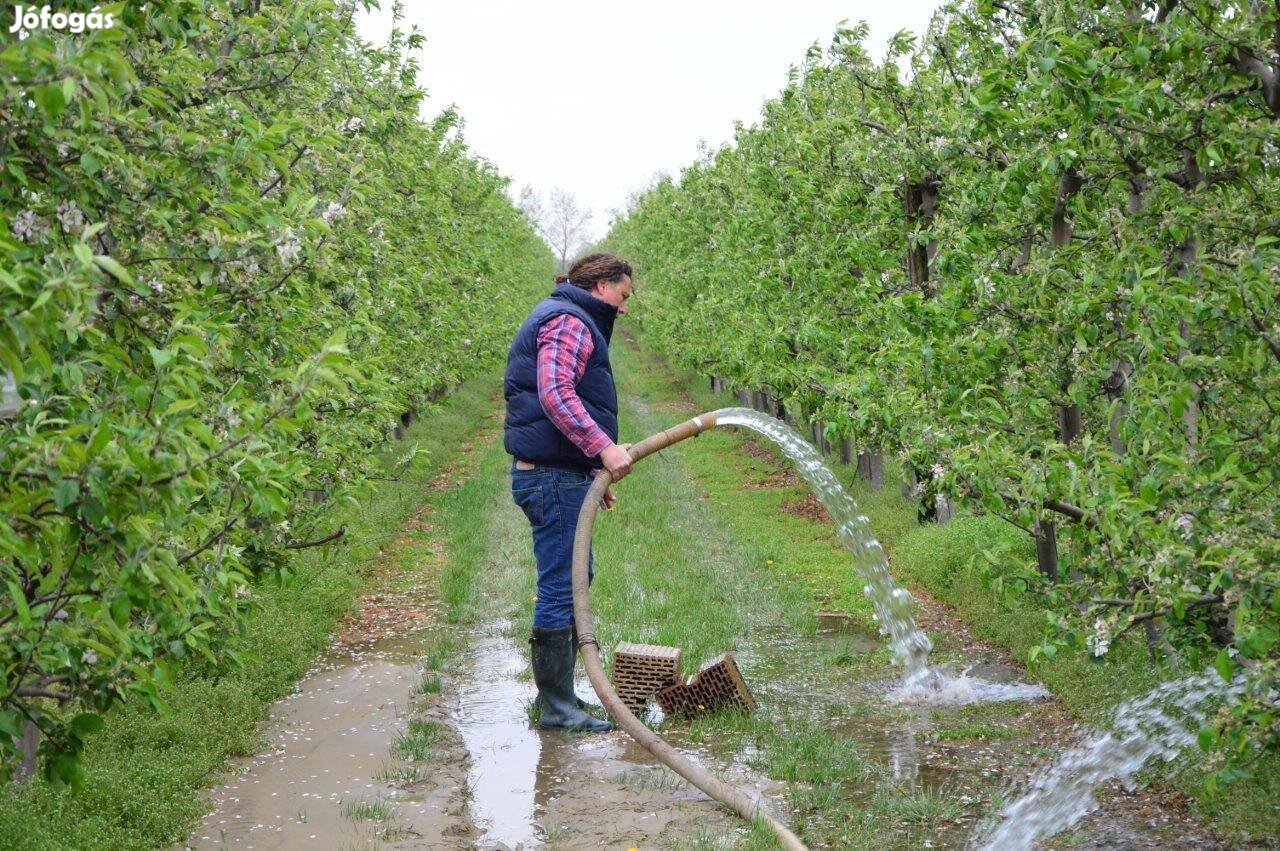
pixel 553 657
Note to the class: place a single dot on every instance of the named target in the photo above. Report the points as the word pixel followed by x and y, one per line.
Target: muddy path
pixel 413 730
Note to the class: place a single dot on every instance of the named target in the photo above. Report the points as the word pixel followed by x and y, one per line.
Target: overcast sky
pixel 596 97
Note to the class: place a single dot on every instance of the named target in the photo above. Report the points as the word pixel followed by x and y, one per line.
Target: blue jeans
pixel 551 498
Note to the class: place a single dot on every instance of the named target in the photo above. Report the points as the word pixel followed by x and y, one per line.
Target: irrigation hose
pixel 731 797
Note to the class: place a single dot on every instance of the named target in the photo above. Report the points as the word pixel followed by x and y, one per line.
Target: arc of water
pixel 1163 723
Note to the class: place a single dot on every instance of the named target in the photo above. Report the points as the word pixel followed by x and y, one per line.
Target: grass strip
pixel 146 772
pixel 945 560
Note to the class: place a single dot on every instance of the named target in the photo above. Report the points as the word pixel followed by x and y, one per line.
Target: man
pixel 561 427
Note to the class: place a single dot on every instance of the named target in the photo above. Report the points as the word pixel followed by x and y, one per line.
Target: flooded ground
pixel 415 733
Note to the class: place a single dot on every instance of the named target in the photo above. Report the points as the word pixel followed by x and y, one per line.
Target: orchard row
pixel 1037 257
pixel 233 259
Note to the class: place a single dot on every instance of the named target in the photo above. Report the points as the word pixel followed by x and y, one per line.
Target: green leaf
pixel 160 357
pixel 83 254
pixel 112 266
pixel 86 723
pixel 101 437
pixel 49 99
pixel 1223 664
pixel 65 493
pixel 1207 738
pixel 19 601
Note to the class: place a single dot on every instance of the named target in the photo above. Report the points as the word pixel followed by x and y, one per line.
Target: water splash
pixel 1163 723
pixel 907 642
pixel 940 687
pixel 909 645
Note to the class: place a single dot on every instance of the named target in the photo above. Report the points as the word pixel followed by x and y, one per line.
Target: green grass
pixel 368 809
pixel 691 558
pixel 146 772
pixel 417 741
pixel 943 559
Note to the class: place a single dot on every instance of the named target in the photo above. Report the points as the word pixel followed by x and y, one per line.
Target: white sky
pixel 597 97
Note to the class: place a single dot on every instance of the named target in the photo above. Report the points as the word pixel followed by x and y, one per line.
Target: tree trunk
pixel 1069 423
pixel 1047 549
pixel 846 450
pixel 943 508
pixel 1115 386
pixel 864 466
pixel 919 203
pixel 30 747
pixel 907 484
pixel 1069 420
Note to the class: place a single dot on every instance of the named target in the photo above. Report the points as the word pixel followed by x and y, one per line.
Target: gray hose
pixel 731 797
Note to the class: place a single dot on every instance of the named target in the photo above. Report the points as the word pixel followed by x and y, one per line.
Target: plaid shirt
pixel 564 344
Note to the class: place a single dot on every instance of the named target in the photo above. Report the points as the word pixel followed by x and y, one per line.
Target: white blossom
pixel 332 212
pixel 156 286
pixel 27 225
pixel 70 217
pixel 63 150
pixel 89 657
pixel 937 470
pixel 243 592
pixel 352 124
pixel 288 246
pixel 1167 88
pixel 1184 524
pixel 1100 641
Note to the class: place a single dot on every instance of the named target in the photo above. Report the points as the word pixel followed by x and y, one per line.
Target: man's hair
pixel 601 266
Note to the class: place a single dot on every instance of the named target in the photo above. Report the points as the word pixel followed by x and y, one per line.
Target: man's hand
pixel 616 460
pixel 610 498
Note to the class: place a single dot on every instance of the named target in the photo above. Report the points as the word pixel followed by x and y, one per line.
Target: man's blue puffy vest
pixel 528 433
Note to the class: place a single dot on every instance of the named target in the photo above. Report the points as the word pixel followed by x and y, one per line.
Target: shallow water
pixel 504 748
pixel 530 786
pixel 328 741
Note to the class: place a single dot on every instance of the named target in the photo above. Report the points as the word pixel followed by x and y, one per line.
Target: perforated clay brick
pixel 719 684
pixel 640 670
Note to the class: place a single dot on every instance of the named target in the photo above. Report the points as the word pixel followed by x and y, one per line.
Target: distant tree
pixel 561 221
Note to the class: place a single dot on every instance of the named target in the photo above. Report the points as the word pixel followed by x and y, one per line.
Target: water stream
pixel 921 684
pixel 1162 723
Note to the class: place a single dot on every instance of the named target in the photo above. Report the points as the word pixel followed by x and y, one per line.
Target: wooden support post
pixel 877 470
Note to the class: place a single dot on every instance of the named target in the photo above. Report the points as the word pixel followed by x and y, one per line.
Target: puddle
pixel 329 741
pixel 530 786
pixel 504 748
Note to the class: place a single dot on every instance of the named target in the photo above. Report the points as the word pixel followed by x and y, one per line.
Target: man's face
pixel 614 292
